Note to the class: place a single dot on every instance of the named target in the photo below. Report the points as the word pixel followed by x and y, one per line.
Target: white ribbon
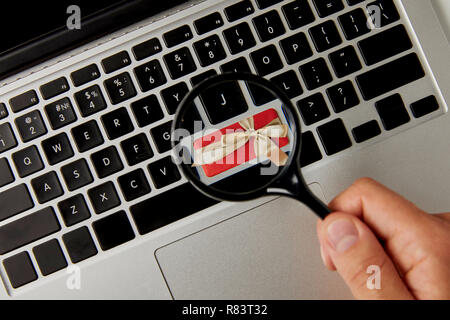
pixel 230 142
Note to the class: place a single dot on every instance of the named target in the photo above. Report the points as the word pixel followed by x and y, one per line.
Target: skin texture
pixel 372 225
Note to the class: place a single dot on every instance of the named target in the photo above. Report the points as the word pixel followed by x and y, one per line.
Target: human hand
pixel 373 226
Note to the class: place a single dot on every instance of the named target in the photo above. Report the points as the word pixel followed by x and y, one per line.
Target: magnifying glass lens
pixel 234 138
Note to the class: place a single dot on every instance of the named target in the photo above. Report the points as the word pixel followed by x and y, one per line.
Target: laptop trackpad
pixel 270 252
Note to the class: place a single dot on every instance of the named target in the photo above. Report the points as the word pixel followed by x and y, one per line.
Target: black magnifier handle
pixel 311 201
pixel 294 186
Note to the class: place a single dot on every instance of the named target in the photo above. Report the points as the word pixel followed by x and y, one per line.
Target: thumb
pixel 360 259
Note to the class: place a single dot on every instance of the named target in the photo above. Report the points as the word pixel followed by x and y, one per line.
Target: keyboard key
pixel 3 111
pixel 209 50
pixel 147 111
pixel 162 136
pixel 390 76
pixel 343 96
pixel 116 62
pixel 180 63
pixel 120 88
pixel 354 24
pixel 298 14
pixel 104 197
pixel 27 161
pixel 172 97
pixel 313 109
pixel 106 162
pixel 392 112
pixel 49 257
pixel 24 101
pixel 288 82
pixel 269 26
pixel 14 201
pixel 310 151
pixel 345 61
pixel 76 174
pixel 325 36
pixel 164 172
pixel 384 45
pixel 189 201
pixel 177 36
pixel 74 210
pixel 6 176
pixel 79 244
pixel 134 185
pixel 262 4
pixel 54 88
pixel 31 126
pixel 117 123
pixel 57 148
pixel 424 106
pixel 136 149
pixel 266 60
pixel 20 269
pixel 150 75
pixel 387 13
pixel 87 136
pixel 366 131
pixel 296 48
pixel 90 101
pixel 239 10
pixel 230 99
pixel 113 230
pixel 334 137
pixel 7 139
pixel 147 49
pixel 60 113
pixel 239 38
pixel 315 74
pixel 328 7
pixel 85 75
pixel 208 23
pixel 47 187
pixel 28 229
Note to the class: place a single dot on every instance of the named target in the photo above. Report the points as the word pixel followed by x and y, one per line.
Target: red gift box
pixel 260 120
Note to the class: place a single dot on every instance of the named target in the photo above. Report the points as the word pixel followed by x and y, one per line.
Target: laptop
pixel 92 210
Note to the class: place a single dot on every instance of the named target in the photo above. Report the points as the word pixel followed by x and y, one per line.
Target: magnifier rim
pixel 273 89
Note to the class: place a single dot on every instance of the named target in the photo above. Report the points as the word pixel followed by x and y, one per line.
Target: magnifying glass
pixel 237 137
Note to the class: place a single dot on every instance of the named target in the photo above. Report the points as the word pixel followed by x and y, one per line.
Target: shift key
pixel 390 76
pixel 14 201
pixel 28 229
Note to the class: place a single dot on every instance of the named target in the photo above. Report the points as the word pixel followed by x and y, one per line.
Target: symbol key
pixel 269 26
pixel 90 100
pixel 120 88
pixel 31 126
pixel 325 36
pixel 7 139
pixel 316 74
pixel 150 75
pixel 209 50
pixel 180 63
pixel 298 14
pixel 60 113
pixel 345 61
pixel 239 38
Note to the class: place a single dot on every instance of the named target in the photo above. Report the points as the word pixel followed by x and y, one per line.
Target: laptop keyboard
pixel 84 157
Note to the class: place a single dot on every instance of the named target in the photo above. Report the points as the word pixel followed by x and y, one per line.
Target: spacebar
pixel 169 207
pixel 390 76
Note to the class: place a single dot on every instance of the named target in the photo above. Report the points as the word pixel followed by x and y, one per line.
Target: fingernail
pixel 342 234
pixel 322 255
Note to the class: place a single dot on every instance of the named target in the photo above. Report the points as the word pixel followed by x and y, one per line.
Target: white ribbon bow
pixel 230 142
